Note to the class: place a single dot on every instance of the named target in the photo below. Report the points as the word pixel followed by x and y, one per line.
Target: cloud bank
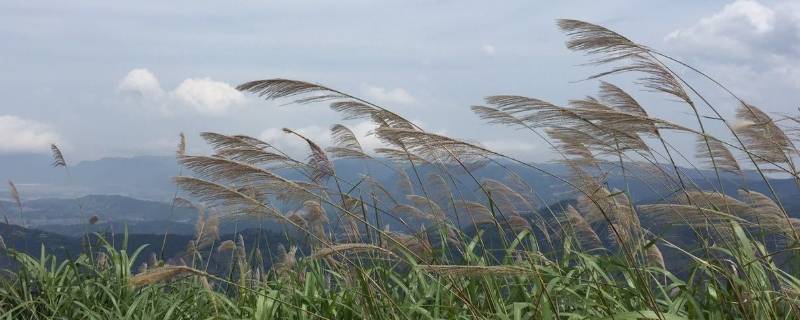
pixel 201 95
pixel 746 41
pixel 24 135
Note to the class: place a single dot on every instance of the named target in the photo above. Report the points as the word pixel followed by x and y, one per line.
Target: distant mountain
pixel 108 208
pixel 46 191
pixel 145 177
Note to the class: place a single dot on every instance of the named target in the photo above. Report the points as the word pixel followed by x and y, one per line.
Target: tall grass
pixel 363 249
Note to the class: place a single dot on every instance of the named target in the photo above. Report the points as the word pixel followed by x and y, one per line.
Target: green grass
pixel 576 285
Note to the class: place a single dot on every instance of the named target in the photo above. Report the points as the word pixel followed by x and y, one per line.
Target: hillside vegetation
pixel 440 241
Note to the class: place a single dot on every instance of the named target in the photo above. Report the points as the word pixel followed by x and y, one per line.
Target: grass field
pixel 447 255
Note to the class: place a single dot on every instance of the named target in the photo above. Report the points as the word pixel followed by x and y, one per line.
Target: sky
pixel 124 78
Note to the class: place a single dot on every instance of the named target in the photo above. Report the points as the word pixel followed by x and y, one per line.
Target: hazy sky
pixel 107 78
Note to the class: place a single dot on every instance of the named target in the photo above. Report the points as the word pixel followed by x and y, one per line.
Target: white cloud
pixel 389 96
pixel 753 47
pixel 22 135
pixel 741 30
pixel 488 49
pixel 202 95
pixel 142 82
pixel 208 96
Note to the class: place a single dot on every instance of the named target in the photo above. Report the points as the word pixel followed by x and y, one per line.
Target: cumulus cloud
pixel 389 96
pixel 142 82
pixel 749 45
pixel 202 95
pixel 208 96
pixel 744 29
pixel 488 49
pixel 23 135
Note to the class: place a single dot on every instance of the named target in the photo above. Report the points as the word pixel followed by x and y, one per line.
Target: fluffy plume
pixel 404 182
pixel 589 239
pixel 226 246
pixel 401 157
pixel 572 144
pixel 762 205
pixel 314 213
pixel 505 196
pixel 315 218
pixel 58 157
pixel 162 274
pixel 714 201
pixel 687 214
pixel 518 224
pixel 322 167
pixel 346 144
pixel 475 271
pixel 285 88
pixel 286 259
pixel 655 77
pixel 181 145
pixel 15 194
pixel 597 40
pixel 654 257
pixel 245 149
pixel 416 245
pixel 713 152
pixel 497 116
pixel 439 187
pixel 348 248
pixel 425 204
pixel 620 100
pixel 436 148
pixel 478 213
pixel 762 136
pixel 404 210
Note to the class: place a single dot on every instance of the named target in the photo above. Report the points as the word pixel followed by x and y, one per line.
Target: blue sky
pixel 113 78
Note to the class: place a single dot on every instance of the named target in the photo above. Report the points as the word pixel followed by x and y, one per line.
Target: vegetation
pixel 358 249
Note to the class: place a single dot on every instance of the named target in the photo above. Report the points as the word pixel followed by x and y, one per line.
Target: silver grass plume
pixel 346 145
pixel 434 210
pixel 318 160
pixel 404 182
pixel 713 152
pixel 589 240
pixel 181 145
pixel 597 40
pixel 761 203
pixel 15 194
pixel 654 257
pixel 404 210
pixel 762 136
pixel 715 201
pixel 246 149
pixel 440 186
pixel 285 88
pixel 58 157
pixel 226 246
pixel 401 157
pixel 286 259
pixel 620 100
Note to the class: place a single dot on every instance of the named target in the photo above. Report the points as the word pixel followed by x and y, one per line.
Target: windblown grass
pixel 435 252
